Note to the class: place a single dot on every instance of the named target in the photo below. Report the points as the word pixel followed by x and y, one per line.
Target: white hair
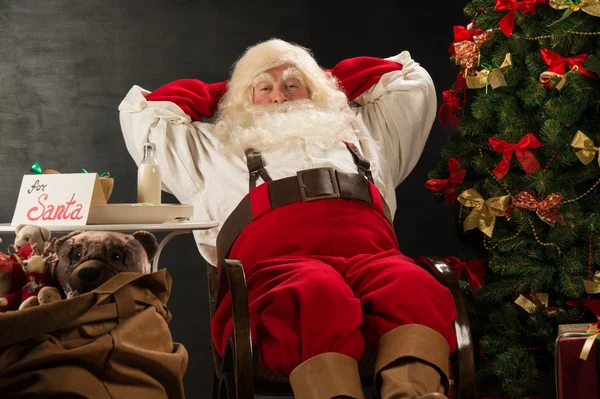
pixel 322 86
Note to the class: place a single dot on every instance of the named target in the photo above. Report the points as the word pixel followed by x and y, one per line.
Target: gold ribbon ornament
pixel 593 286
pixel 484 214
pixel 591 7
pixel 490 76
pixel 530 307
pixel 547 76
pixel 587 148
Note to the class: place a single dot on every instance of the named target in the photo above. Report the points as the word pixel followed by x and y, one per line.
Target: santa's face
pixel 282 109
pixel 280 84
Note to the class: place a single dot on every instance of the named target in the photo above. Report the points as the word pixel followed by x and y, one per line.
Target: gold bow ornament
pixel 490 76
pixel 547 76
pixel 593 286
pixel 530 307
pixel 591 7
pixel 587 148
pixel 484 214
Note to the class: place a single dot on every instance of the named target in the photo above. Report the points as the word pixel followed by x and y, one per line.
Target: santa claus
pixel 303 185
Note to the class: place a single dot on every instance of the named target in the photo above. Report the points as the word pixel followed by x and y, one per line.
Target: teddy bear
pixel 87 259
pixel 36 269
pixel 36 277
pixel 36 236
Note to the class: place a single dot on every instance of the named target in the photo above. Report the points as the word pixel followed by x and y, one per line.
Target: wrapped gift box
pixel 576 378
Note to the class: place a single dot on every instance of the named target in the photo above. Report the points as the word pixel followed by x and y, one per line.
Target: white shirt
pixel 397 112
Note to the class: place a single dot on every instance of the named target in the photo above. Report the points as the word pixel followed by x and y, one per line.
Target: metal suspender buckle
pixel 319 183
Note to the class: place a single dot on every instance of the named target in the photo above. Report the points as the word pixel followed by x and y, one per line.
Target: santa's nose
pixel 277 96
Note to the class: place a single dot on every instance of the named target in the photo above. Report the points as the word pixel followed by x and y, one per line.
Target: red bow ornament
pixel 449 108
pixel 544 209
pixel 466 47
pixel 592 304
pixel 473 268
pixel 507 24
pixel 462 33
pixel 556 65
pixel 448 185
pixel 521 149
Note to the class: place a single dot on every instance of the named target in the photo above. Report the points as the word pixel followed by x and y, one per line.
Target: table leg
pixel 162 245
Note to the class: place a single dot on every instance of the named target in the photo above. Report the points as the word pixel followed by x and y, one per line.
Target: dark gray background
pixel 66 65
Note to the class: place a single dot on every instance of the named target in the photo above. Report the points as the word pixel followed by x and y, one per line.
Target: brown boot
pixel 412 362
pixel 327 376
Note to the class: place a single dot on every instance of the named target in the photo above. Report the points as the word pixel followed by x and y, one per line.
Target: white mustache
pixel 263 126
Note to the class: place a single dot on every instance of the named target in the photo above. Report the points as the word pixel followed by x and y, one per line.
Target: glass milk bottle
pixel 148 184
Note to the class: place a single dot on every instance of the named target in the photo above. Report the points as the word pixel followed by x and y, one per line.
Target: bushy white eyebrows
pixel 289 73
pixel 293 73
pixel 262 77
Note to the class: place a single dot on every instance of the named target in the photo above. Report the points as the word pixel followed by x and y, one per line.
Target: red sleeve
pixel 359 74
pixel 194 97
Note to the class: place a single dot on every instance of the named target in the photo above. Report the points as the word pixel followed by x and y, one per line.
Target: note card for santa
pixel 57 199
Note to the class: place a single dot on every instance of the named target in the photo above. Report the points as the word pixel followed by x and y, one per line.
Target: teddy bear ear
pixel 19 227
pixel 61 240
pixel 52 258
pixel 148 241
pixel 45 233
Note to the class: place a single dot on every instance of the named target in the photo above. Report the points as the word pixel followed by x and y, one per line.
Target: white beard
pixel 264 127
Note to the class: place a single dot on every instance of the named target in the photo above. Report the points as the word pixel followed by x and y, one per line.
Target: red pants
pixel 326 276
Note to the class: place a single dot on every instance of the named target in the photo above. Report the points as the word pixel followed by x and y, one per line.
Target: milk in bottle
pixel 148 184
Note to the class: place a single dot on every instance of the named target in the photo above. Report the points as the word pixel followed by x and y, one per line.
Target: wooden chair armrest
pixel 463 361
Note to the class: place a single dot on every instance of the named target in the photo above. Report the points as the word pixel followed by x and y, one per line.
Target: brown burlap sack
pixel 113 342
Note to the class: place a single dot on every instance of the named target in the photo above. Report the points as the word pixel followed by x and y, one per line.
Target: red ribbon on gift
pixel 527 200
pixel 473 268
pixel 525 157
pixel 462 33
pixel 507 24
pixel 448 185
pixel 556 63
pixel 448 109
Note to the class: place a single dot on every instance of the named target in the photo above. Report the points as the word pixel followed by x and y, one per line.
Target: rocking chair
pixel 239 375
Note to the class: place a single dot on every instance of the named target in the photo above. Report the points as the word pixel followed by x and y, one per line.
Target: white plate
pixel 136 214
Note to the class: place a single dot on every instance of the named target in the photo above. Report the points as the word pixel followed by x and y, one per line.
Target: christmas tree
pixel 521 172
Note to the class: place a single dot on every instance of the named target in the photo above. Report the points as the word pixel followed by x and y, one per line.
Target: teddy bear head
pixel 38 264
pixel 31 234
pixel 88 259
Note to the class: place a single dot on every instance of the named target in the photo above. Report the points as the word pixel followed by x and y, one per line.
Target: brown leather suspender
pixel 362 164
pixel 256 167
